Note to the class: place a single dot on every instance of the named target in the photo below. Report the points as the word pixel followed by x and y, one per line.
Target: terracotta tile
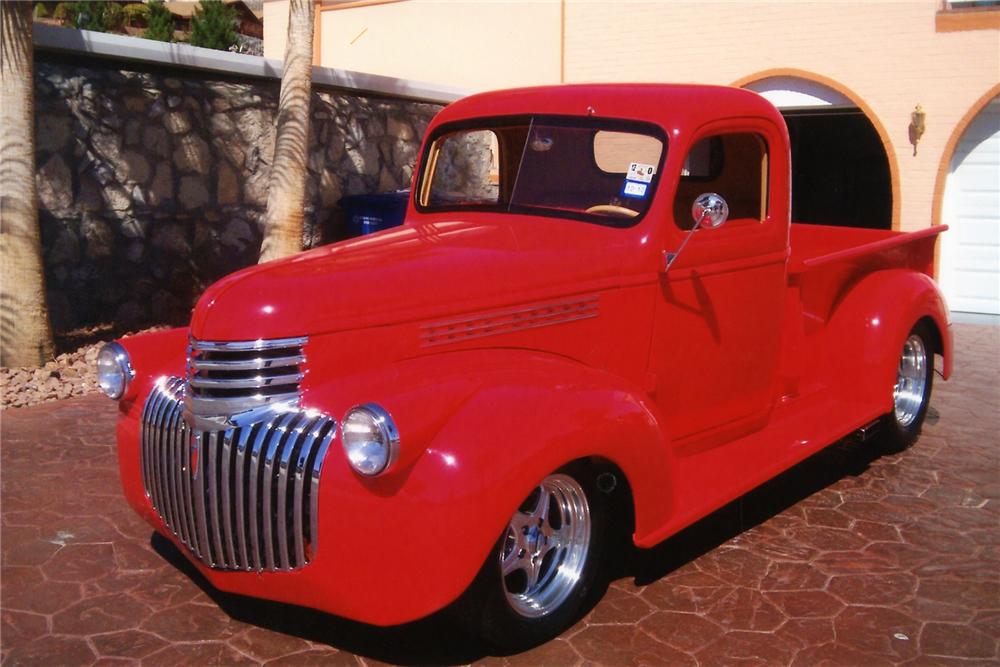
pixel 748 648
pixel 199 653
pixel 836 655
pixel 805 604
pixel 127 644
pixel 625 645
pixel 20 627
pixel 190 622
pixel 873 589
pixel 52 651
pixel 80 562
pixel 958 641
pixel 106 613
pixel 875 630
pixel 784 576
pixel 684 632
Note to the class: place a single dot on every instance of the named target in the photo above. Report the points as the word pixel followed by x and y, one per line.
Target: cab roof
pixel 669 105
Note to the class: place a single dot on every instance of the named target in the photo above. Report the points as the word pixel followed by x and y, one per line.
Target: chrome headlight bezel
pixel 114 371
pixel 370 439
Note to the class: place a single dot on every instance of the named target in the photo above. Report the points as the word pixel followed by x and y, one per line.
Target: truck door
pixel 718 320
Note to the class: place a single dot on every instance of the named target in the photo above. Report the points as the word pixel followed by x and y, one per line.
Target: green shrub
pixel 63 12
pixel 160 22
pixel 40 11
pixel 114 16
pixel 213 25
pixel 136 13
pixel 89 16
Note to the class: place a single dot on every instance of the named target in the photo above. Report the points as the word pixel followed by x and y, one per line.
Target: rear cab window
pixel 595 170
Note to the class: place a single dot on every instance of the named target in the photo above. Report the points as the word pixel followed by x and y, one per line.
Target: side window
pixel 732 165
pixel 466 169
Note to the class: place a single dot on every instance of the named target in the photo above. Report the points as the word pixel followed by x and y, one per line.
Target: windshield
pixel 595 170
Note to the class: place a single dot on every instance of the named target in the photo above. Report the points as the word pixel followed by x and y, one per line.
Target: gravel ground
pixel 70 374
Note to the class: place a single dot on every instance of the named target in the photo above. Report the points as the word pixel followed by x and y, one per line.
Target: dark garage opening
pixel 840 172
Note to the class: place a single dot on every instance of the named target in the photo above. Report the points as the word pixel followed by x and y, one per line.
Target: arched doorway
pixel 970 251
pixel 841 170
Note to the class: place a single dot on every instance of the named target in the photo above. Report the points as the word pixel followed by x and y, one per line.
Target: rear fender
pixel 478 430
pixel 869 326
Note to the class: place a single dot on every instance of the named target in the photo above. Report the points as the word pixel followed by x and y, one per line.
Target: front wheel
pixel 543 567
pixel 912 392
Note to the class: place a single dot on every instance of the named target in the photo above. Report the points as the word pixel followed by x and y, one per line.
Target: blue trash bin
pixel 367 214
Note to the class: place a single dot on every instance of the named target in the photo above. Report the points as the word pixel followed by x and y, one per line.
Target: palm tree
pixel 286 196
pixel 25 333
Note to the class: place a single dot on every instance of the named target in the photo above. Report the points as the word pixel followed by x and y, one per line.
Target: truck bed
pixel 814 246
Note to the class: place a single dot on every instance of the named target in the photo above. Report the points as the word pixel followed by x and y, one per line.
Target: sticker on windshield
pixel 634 189
pixel 643 173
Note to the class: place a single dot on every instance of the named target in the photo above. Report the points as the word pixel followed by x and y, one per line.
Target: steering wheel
pixel 613 209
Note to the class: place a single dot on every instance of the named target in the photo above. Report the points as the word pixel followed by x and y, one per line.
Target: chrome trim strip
pixel 246 345
pixel 256 382
pixel 260 363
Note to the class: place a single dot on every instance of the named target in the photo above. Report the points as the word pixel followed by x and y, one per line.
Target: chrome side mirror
pixel 709 211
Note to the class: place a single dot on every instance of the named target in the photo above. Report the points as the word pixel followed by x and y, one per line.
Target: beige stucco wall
pixel 887 54
pixel 275 28
pixel 471 44
pixel 467 44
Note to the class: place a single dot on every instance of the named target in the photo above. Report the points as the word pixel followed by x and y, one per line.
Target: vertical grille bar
pixel 198 474
pixel 173 502
pixel 212 454
pixel 241 533
pixel 314 486
pixel 255 515
pixel 284 426
pixel 301 483
pixel 187 471
pixel 227 513
pixel 242 498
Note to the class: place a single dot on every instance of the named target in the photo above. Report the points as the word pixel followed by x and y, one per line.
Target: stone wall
pixel 153 183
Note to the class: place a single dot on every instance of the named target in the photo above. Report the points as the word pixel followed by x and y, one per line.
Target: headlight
pixel 370 439
pixel 114 372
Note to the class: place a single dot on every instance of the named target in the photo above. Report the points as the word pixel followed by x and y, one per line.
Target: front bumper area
pixel 378 555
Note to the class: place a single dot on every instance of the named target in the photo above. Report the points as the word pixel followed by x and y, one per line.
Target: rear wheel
pixel 912 392
pixel 542 570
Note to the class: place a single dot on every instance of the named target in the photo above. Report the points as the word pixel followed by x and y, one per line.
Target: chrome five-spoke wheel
pixel 910 392
pixel 544 552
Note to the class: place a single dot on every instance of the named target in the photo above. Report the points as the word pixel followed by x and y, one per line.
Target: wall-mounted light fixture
pixel 917 126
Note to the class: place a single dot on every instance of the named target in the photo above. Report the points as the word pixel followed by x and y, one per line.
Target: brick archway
pixel 890 153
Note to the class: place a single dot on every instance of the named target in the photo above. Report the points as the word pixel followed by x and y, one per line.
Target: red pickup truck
pixel 597 313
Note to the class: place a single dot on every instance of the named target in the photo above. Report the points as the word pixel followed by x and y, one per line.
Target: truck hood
pixel 408 273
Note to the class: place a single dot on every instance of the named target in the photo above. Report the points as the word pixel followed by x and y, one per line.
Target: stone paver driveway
pixel 848 559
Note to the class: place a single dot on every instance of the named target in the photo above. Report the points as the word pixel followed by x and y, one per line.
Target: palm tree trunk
pixel 286 196
pixel 25 333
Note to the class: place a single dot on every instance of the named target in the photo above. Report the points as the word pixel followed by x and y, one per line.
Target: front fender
pixel 478 430
pixel 870 324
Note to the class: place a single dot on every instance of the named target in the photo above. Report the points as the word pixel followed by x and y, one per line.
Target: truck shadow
pixel 846 458
pixel 436 640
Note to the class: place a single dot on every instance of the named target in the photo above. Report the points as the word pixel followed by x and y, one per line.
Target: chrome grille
pixel 243 498
pixel 227 378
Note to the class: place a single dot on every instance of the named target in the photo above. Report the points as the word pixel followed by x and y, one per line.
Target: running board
pixel 868 431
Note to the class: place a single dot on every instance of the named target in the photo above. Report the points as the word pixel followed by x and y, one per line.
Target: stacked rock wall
pixel 153 183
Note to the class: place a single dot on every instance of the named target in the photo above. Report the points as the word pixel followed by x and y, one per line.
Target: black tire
pixel 487 609
pixel 912 391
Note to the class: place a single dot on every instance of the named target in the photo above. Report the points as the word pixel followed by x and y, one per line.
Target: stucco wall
pixel 473 45
pixel 153 182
